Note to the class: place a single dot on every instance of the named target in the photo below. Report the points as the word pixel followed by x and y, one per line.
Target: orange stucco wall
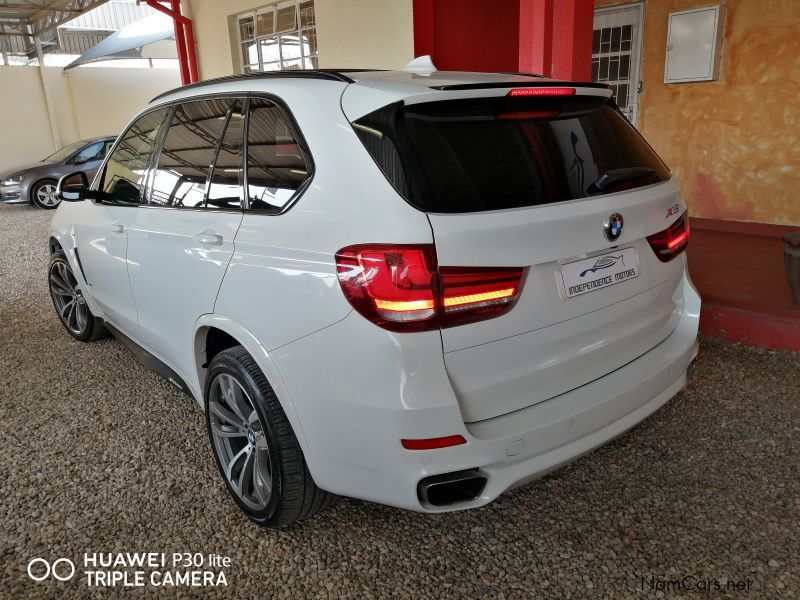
pixel 734 144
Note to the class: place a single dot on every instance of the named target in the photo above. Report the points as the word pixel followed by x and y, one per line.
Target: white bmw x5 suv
pixel 415 289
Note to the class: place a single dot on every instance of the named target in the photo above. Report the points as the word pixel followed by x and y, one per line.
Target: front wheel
pixel 256 450
pixel 70 305
pixel 43 194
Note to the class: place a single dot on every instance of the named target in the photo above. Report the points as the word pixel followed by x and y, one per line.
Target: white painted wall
pixel 350 33
pixel 86 102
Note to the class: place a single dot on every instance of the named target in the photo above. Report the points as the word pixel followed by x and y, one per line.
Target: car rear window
pixel 483 154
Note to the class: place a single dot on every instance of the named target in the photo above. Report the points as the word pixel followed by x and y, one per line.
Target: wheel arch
pixel 216 333
pixel 55 245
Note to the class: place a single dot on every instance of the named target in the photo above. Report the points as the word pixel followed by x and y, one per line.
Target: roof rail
pixel 326 74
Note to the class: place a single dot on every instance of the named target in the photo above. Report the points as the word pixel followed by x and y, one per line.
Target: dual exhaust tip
pixel 451 488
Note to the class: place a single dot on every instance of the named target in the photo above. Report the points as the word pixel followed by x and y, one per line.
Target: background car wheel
pixel 70 305
pixel 256 450
pixel 43 194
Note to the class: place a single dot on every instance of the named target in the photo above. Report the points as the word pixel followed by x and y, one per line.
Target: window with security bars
pixel 283 36
pixel 611 60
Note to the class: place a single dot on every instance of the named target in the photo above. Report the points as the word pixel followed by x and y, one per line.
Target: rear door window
pixel 485 154
pixel 187 154
pixel 277 161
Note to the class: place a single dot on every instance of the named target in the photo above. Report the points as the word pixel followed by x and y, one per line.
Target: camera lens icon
pixel 62 569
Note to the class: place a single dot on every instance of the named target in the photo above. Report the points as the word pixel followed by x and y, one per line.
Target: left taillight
pixel 670 242
pixel 401 288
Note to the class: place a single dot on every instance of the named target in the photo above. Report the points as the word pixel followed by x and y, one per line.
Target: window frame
pixel 161 136
pixel 245 65
pixel 101 172
pixel 302 144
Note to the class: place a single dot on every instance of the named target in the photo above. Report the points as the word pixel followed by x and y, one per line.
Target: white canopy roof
pixel 128 41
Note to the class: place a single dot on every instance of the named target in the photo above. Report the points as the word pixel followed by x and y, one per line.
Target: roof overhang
pixel 23 20
pixel 128 41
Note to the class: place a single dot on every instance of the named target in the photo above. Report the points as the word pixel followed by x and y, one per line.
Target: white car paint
pixel 529 390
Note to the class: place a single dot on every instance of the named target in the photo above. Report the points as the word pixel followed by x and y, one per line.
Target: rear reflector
pixel 433 443
pixel 400 288
pixel 541 91
pixel 670 242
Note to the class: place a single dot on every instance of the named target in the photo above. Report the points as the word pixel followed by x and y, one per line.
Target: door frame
pixel 641 4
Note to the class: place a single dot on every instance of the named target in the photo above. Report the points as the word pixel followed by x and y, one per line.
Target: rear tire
pixel 255 448
pixel 43 194
pixel 70 305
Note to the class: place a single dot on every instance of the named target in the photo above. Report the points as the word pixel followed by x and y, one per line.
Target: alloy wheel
pixel 240 442
pixel 46 195
pixel 70 303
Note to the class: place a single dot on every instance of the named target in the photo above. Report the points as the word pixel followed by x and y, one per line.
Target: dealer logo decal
pixel 604 262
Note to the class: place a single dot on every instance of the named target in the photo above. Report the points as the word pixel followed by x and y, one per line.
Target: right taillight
pixel 401 288
pixel 670 242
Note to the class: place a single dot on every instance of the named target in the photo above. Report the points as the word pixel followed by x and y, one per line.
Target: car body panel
pixel 174 276
pixel 102 241
pixel 352 390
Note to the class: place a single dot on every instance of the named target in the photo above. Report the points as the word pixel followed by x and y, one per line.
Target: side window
pixel 225 187
pixel 184 163
pixel 92 152
pixel 276 162
pixel 125 170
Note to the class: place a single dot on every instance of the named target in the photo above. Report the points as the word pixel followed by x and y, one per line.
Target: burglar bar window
pixel 283 36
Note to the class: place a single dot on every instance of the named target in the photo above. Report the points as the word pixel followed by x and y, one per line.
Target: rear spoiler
pixel 518 84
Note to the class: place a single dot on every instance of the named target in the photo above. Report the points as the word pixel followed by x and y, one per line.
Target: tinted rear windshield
pixel 483 154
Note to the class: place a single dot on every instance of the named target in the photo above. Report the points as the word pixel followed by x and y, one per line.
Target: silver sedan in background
pixel 36 182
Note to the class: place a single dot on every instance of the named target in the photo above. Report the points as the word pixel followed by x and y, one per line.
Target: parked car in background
pixel 37 182
pixel 420 291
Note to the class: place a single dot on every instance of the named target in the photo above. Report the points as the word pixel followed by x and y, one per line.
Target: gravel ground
pixel 100 455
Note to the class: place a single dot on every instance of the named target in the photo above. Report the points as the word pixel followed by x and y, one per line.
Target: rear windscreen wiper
pixel 617 176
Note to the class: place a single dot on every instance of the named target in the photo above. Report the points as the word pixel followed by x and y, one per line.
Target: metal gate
pixel 617 54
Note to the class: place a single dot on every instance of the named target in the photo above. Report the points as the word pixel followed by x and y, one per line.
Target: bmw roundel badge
pixel 613 226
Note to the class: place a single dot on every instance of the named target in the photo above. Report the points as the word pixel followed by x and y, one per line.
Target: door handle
pixel 117 227
pixel 209 238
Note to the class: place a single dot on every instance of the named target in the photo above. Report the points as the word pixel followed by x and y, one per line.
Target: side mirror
pixel 73 187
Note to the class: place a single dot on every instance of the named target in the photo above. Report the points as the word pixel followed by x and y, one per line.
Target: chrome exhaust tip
pixel 451 488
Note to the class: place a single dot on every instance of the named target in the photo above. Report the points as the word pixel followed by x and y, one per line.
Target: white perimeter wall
pixel 86 102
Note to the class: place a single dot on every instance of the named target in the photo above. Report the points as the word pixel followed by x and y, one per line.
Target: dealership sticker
pixel 135 569
pixel 598 272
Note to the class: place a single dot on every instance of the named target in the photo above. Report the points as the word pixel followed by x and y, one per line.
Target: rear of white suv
pixel 470 280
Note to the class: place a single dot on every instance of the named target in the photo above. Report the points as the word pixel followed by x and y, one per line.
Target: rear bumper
pixel 353 442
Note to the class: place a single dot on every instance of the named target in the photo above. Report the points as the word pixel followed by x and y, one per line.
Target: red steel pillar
pixel 180 42
pixel 549 37
pixel 536 36
pixel 423 28
pixel 572 40
pixel 184 39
